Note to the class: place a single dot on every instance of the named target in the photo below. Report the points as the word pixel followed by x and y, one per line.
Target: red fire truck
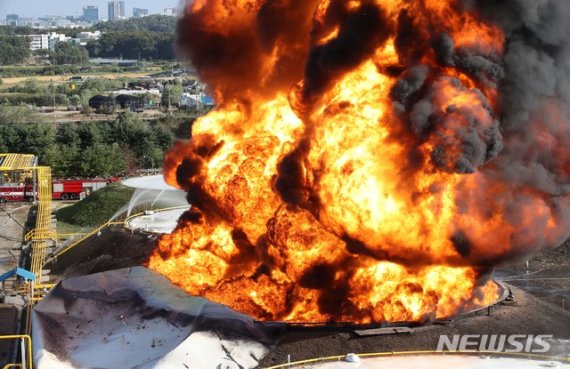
pixel 12 193
pixel 65 189
pixel 71 189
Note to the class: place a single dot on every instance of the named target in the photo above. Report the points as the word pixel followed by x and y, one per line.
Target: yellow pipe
pixel 13 365
pixel 100 228
pixel 28 340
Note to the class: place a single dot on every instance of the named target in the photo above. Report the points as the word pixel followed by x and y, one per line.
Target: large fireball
pixel 356 168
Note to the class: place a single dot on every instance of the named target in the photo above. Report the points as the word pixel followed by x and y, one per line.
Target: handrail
pixel 87 235
pixel 420 352
pixel 12 365
pixel 105 225
pixel 28 340
pixel 156 211
pixel 39 234
pixel 62 235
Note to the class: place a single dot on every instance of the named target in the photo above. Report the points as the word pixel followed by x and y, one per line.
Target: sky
pixel 38 8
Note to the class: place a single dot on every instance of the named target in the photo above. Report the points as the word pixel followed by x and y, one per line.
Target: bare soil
pixel 11 81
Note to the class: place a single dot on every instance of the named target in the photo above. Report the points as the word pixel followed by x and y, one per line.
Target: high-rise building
pixel 12 19
pixel 116 10
pixel 137 12
pixel 169 11
pixel 91 14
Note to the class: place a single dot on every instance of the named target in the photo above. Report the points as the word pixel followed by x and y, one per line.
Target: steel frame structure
pixel 42 234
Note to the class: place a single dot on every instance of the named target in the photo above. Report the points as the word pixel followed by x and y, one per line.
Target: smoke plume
pixel 370 160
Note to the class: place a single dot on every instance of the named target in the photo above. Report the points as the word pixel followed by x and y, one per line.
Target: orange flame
pixel 372 229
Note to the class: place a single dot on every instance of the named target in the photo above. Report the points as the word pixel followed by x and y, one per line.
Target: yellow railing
pixel 12 366
pixel 85 236
pixel 27 353
pixel 39 238
pixel 16 161
pixel 422 352
pixel 36 234
pixel 42 236
pixel 102 227
pixel 42 232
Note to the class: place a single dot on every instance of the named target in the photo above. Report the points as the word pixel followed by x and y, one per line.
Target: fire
pixel 347 174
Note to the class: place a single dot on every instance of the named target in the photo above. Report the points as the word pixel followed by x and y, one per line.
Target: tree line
pixel 32 92
pixel 133 45
pixel 14 49
pixel 90 149
pixel 149 38
pixel 151 23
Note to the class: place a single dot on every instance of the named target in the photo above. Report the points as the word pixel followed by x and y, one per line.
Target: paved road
pixel 12 219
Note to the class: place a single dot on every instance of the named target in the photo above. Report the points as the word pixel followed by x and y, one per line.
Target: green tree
pixel 90 134
pixel 129 131
pixel 152 23
pixel 67 135
pixel 30 86
pixel 9 138
pixel 41 52
pixel 19 30
pixel 96 86
pixel 143 145
pixel 63 160
pixel 35 139
pixel 75 100
pixel 14 49
pixel 102 160
pixel 163 138
pixel 171 95
pixel 66 53
pixel 134 45
pixel 126 128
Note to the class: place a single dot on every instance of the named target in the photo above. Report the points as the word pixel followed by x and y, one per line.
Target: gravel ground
pixel 526 315
pixel 547 276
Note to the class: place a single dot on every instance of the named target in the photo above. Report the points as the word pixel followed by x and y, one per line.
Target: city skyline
pixel 116 10
pixel 40 8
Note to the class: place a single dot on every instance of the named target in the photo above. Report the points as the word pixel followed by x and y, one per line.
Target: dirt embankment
pixel 113 248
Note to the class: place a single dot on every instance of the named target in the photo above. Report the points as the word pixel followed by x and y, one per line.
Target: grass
pixel 66 228
pixel 11 81
pixel 97 208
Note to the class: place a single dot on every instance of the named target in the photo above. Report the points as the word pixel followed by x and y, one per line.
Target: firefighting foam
pixel 368 161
